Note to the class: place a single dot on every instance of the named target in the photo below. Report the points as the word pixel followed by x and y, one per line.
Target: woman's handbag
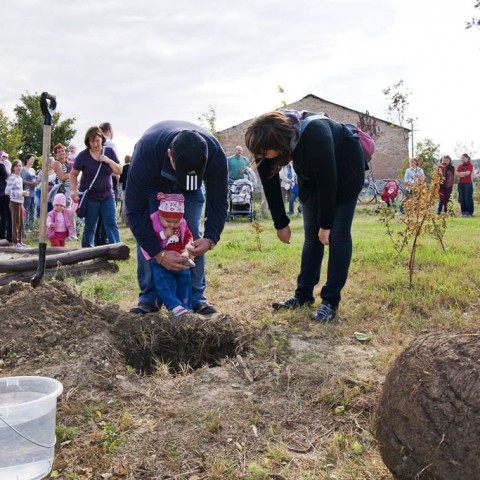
pixel 82 205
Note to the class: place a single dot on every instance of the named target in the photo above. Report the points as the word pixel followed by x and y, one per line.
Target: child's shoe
pixel 179 310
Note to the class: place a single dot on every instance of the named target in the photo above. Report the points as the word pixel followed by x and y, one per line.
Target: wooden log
pixel 34 250
pixel 114 251
pixel 63 271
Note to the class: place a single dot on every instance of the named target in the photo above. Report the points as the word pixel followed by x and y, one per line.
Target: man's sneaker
pixel 325 313
pixel 143 308
pixel 179 310
pixel 291 303
pixel 19 245
pixel 72 238
pixel 203 308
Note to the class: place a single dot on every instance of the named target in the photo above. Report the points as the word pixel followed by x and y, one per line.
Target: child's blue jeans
pixel 173 288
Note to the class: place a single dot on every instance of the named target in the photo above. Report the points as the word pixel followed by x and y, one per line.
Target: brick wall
pixel 387 160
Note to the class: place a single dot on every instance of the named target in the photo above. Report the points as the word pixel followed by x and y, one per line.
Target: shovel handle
pixel 48 104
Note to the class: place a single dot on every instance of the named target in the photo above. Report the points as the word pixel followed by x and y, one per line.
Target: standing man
pixel 175 157
pixel 237 164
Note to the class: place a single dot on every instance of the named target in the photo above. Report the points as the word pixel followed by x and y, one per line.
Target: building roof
pixel 323 100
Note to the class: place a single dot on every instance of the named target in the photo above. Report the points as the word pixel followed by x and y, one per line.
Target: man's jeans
pixel 173 288
pixel 340 253
pixel 193 214
pixel 109 215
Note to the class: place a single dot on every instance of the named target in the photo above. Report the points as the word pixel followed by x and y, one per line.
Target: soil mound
pixel 54 331
pixel 427 418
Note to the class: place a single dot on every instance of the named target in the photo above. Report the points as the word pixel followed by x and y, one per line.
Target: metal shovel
pixel 48 104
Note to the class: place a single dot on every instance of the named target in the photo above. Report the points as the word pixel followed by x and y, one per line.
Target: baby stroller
pixel 390 192
pixel 241 200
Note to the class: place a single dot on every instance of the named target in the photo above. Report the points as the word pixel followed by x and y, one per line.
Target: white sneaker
pixel 72 238
pixel 179 310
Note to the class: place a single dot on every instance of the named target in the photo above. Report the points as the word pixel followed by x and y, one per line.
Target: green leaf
pixel 362 337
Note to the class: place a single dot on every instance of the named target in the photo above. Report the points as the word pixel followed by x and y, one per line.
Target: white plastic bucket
pixel 27 426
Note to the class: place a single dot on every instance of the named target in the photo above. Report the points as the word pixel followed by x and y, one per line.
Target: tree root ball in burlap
pixel 428 418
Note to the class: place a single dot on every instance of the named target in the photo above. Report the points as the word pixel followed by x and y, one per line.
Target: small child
pixel 59 221
pixel 174 288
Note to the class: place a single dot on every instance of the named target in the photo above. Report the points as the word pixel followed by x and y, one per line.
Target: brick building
pixel 391 148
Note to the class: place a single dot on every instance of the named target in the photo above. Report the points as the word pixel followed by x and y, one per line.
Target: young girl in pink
pixel 59 221
pixel 174 288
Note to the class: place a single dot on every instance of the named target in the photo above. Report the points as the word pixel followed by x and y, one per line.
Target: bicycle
pixel 370 191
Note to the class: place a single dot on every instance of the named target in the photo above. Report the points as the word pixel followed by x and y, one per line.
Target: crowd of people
pixel 178 171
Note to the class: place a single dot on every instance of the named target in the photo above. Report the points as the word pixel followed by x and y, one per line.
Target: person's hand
pixel 200 246
pixel 324 236
pixel 171 260
pixel 74 195
pixel 242 171
pixel 284 234
pixel 168 231
pixel 103 158
pixel 25 193
pixel 53 225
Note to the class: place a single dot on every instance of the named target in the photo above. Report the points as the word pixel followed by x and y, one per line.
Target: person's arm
pixel 317 148
pixel 61 175
pixel 112 161
pixel 216 187
pixel 273 194
pixel 74 184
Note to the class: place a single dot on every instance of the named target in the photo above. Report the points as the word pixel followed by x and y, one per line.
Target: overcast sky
pixel 135 63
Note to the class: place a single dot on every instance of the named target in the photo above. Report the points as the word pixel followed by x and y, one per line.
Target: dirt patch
pixel 427 419
pixel 273 400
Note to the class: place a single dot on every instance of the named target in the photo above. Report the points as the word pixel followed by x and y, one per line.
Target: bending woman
pixel 101 199
pixel 330 167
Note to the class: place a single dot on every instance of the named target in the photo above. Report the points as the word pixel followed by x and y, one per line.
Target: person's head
pixel 413 162
pixel 72 149
pixel 170 209
pixel 238 151
pixel 51 161
pixel 107 130
pixel 269 138
pixel 17 166
pixel 3 155
pixel 188 155
pixel 59 152
pixel 446 160
pixel 29 159
pixel 465 158
pixel 94 138
pixel 127 159
pixel 59 202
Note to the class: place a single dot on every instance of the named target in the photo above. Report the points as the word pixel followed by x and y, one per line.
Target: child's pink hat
pixel 59 199
pixel 172 205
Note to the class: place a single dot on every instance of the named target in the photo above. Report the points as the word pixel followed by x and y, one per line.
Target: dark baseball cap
pixel 189 152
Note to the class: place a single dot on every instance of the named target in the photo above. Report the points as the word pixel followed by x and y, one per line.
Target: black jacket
pixel 150 172
pixel 329 163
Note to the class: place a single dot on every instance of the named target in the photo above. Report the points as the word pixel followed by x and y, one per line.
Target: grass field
pixel 340 378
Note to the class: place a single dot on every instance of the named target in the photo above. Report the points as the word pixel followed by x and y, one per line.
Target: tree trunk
pixel 59 273
pixel 114 251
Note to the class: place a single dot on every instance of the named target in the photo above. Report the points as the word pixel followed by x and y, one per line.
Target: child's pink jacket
pixel 52 218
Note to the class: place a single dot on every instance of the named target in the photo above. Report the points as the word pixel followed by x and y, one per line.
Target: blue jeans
pixel 109 215
pixel 173 288
pixel 465 197
pixel 29 205
pixel 194 202
pixel 312 253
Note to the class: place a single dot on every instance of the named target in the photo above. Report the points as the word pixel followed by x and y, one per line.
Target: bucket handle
pixel 26 437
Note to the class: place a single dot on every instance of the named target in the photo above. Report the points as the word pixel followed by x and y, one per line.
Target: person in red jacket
pixel 465 185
